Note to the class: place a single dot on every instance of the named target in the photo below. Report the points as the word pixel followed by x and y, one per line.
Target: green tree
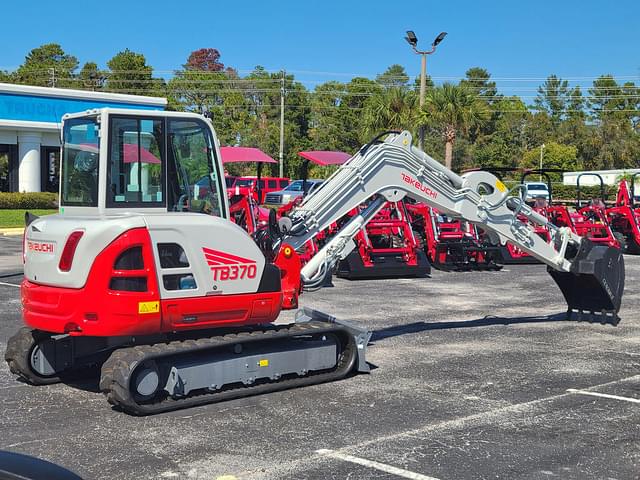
pixel 451 109
pixel 503 145
pixel 394 76
pixel 605 98
pixel 48 66
pixel 129 73
pixel 576 105
pixel 631 104
pixel 6 77
pixel 262 92
pixel 555 155
pixel 390 109
pixel 336 110
pixel 479 81
pixel 91 77
pixel 553 98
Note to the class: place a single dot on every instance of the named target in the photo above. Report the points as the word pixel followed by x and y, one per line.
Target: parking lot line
pixel 9 284
pixel 383 467
pixel 603 395
pixel 481 417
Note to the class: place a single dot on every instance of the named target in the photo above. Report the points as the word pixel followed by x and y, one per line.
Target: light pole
pixel 413 41
pixel 281 151
pixel 542 147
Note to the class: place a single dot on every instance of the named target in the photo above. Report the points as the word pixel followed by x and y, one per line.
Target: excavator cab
pixel 156 162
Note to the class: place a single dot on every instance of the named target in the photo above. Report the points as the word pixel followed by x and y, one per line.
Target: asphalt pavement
pixel 473 378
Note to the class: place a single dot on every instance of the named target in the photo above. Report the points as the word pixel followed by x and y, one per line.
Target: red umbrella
pixel 130 152
pixel 325 157
pixel 244 154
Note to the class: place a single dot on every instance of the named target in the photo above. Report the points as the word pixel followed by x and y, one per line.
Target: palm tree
pixel 392 108
pixel 452 108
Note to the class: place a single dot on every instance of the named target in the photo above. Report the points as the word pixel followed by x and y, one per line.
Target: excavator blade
pixel 593 288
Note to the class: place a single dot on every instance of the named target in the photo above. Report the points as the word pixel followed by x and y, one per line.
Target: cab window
pixel 136 162
pixel 80 154
pixel 194 185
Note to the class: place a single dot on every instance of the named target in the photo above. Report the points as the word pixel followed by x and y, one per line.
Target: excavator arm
pixel 591 277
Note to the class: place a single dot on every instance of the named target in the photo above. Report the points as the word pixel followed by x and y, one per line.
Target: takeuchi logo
pixel 419 186
pixel 227 267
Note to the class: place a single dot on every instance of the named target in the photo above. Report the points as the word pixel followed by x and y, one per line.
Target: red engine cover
pixel 98 310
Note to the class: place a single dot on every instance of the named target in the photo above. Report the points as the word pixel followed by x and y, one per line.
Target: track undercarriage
pixel 147 376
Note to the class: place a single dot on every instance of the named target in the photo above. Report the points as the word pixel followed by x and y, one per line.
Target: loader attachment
pixel 593 288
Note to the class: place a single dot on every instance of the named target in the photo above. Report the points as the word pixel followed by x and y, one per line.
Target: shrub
pixel 26 200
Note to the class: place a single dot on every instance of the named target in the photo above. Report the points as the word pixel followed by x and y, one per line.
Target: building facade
pixel 609 177
pixel 30 130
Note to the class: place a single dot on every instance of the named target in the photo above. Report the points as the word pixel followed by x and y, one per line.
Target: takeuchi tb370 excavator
pixel 174 304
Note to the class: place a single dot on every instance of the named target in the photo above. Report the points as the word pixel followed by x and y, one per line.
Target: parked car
pixel 536 190
pixel 245 185
pixel 293 191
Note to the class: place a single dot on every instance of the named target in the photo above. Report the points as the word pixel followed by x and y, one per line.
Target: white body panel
pixel 193 232
pixel 41 265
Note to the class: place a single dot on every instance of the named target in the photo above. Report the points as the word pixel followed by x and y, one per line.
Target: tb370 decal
pixel 229 267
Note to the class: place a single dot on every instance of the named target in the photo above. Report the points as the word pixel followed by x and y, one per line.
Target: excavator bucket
pixel 593 288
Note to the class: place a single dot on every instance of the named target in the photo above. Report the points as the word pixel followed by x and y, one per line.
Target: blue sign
pixel 32 108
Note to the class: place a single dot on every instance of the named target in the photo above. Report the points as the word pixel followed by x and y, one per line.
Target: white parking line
pixel 400 472
pixel 603 395
pixel 9 284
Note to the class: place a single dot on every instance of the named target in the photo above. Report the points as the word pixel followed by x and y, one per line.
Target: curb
pixel 11 231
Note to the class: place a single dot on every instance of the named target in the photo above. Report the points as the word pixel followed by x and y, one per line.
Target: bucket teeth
pixel 593 288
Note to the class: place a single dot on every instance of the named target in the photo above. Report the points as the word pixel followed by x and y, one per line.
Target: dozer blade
pixel 593 288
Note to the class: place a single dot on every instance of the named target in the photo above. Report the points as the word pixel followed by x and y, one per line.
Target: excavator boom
pixel 591 277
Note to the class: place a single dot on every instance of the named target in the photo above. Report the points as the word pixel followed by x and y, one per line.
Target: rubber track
pixel 17 356
pixel 119 368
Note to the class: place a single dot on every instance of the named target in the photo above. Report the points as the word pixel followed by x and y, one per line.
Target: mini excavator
pixel 174 304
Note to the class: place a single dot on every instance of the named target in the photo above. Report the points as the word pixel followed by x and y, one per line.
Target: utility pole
pixel 542 147
pixel 413 41
pixel 52 77
pixel 281 154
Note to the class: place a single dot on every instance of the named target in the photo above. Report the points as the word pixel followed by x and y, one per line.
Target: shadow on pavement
pixel 489 320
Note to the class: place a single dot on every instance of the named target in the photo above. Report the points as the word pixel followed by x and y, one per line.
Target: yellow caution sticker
pixel 263 363
pixel 149 307
pixel 501 186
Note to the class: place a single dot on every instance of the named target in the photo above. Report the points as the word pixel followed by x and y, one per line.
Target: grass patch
pixel 15 218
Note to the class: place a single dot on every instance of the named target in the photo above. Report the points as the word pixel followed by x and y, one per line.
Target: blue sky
pixel 519 42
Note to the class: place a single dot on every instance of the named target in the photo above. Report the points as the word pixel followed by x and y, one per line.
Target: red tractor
pixel 590 218
pixel 624 217
pixel 385 248
pixel 451 244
